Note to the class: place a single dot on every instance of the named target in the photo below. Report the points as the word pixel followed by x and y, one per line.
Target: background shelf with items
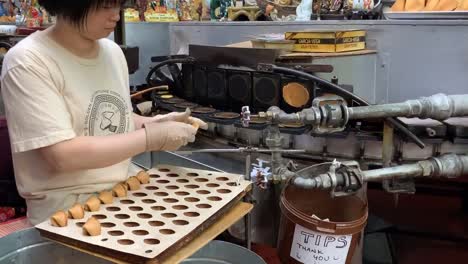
pixel 427 10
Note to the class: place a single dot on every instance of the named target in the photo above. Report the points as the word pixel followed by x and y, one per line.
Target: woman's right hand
pixel 169 135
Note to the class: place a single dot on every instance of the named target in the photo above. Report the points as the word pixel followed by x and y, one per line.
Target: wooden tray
pixel 152 224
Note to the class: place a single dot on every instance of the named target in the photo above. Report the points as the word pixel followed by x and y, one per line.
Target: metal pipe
pixel 447 166
pixel 379 111
pixel 247 198
pixel 410 170
pixel 240 150
pixel 438 106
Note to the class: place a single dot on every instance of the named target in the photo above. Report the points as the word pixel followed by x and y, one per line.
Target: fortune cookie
pixel 92 204
pixel 399 6
pixel 106 197
pixel 462 5
pixel 446 5
pixel 120 190
pixel 76 212
pixel 296 95
pixel 431 5
pixel 143 177
pixel 59 219
pixel 415 5
pixel 124 184
pixel 92 227
pixel 133 183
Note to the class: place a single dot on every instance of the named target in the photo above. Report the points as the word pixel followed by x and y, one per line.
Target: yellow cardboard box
pixel 328 41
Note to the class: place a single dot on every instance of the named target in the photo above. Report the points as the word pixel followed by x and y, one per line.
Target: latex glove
pixel 170 135
pixel 183 117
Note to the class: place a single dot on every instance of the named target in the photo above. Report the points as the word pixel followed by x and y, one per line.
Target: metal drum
pixel 28 247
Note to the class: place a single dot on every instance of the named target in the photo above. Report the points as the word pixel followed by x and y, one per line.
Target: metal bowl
pixel 223 253
pixel 28 247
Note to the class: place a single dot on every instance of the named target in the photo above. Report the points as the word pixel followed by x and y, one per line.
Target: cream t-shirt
pixel 50 96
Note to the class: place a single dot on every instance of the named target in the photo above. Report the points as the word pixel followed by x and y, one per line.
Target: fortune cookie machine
pixel 278 122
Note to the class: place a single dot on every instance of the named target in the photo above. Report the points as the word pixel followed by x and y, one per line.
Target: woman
pixel 66 93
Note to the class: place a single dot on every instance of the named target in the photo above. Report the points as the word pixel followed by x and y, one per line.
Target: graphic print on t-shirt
pixel 107 114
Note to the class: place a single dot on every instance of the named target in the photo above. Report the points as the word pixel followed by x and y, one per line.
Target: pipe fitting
pixel 450 166
pixel 439 106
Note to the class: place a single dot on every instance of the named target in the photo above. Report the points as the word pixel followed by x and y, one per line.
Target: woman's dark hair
pixel 76 11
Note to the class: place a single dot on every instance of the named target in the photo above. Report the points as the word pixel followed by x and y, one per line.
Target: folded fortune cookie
pixel 133 183
pixel 92 227
pixel 120 190
pixel 59 219
pixel 76 212
pixel 92 204
pixel 143 177
pixel 106 197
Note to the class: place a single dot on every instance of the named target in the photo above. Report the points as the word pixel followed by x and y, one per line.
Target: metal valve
pixel 245 116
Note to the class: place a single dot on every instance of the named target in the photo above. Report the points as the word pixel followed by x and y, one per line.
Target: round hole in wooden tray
pixel 180 207
pixel 167 231
pixel 131 224
pixel 192 199
pixel 182 193
pixel 140 232
pixel 222 179
pixel 135 208
pixel 182 181
pixel 201 180
pixel 151 188
pixel 151 241
pixel 148 201
pixel 192 174
pixel 170 200
pixel 163 181
pixel 203 192
pixel 172 187
pixel 224 191
pixel 233 184
pixel 161 194
pixel 116 233
pixel 214 198
pixel 148 251
pixel 180 222
pixel 158 208
pixel 144 216
pixel 140 194
pixel 122 216
pixel 156 223
pixel 125 242
pixel 113 209
pixel 80 224
pixel 169 215
pixel 173 175
pixel 192 186
pixel 127 202
pixel 212 185
pixel 155 176
pixel 191 214
pixel 108 225
pixel 164 170
pixel 104 239
pixel 99 216
pixel 203 206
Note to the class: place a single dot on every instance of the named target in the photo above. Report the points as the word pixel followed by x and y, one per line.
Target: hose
pixel 167 62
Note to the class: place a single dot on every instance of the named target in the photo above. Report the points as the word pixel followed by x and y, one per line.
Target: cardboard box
pixel 328 41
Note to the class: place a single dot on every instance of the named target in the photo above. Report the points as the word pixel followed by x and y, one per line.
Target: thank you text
pixel 319 248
